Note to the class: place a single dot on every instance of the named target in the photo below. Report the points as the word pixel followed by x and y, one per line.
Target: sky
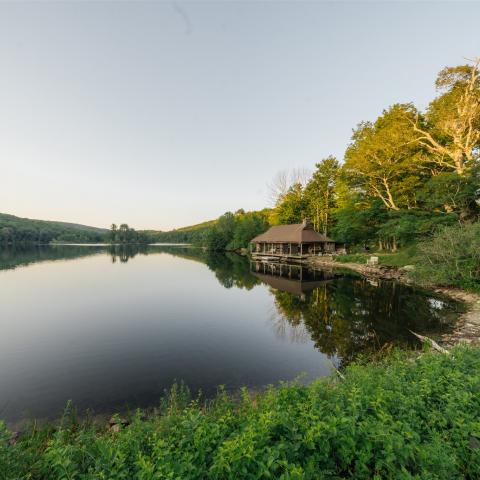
pixel 166 114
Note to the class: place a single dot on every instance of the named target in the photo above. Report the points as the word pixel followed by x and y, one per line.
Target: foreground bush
pixel 397 419
pixel 451 257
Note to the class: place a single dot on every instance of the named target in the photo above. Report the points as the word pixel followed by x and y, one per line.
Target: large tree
pixel 450 129
pixel 292 207
pixel 384 160
pixel 123 232
pixel 450 192
pixel 113 233
pixel 319 193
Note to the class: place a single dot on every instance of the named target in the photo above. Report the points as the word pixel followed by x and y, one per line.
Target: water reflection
pixel 22 255
pixel 230 269
pixel 291 278
pixel 123 253
pixel 113 326
pixel 345 314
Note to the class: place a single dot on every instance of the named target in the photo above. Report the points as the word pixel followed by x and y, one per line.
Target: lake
pixel 111 328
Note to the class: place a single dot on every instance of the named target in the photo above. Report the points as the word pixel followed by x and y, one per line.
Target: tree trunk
pixel 459 162
pixel 390 196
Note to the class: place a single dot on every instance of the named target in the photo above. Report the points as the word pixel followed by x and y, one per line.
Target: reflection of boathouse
pixel 295 279
pixel 296 240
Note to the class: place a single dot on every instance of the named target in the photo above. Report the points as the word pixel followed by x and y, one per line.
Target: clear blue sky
pixel 166 114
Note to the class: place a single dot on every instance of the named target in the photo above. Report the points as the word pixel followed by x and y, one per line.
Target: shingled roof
pixel 294 233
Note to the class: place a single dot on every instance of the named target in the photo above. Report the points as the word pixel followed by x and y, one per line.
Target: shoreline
pixel 183 437
pixel 467 327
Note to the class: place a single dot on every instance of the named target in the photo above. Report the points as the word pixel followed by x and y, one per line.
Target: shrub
pixel 451 257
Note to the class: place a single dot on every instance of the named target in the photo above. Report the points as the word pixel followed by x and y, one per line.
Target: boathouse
pixel 296 240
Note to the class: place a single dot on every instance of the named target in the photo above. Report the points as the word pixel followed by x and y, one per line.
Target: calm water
pixel 112 328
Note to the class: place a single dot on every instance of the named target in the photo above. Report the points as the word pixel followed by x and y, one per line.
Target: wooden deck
pixel 276 256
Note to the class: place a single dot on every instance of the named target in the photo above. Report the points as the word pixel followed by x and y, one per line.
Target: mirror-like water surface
pixel 111 328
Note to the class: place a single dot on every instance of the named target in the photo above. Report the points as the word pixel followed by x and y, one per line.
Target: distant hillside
pixel 190 234
pixel 25 230
pixel 234 229
pixel 198 226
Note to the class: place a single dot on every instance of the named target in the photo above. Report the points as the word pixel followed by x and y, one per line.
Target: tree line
pixel 231 231
pixel 126 235
pixel 193 234
pixel 21 231
pixel 402 176
pixel 234 231
pixel 24 231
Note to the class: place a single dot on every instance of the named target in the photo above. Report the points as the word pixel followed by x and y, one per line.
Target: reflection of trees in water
pixel 231 270
pixel 11 257
pixel 343 316
pixel 349 316
pixel 124 253
pixel 285 329
pixel 23 255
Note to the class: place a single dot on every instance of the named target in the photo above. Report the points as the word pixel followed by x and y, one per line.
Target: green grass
pixel 352 258
pixel 394 419
pixel 405 256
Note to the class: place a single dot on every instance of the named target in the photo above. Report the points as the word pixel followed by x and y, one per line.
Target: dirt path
pixel 467 329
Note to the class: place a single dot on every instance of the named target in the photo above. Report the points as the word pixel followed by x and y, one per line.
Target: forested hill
pixel 231 231
pixel 25 230
pixel 190 234
pixel 19 230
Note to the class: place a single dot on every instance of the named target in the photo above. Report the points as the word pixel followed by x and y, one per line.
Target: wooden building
pixel 296 240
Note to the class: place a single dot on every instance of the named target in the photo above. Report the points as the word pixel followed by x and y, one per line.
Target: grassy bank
pixel 405 256
pixel 449 258
pixel 395 419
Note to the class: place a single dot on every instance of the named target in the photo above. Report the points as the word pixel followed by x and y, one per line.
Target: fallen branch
pixel 433 343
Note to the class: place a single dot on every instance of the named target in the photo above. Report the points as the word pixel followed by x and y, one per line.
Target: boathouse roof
pixel 294 233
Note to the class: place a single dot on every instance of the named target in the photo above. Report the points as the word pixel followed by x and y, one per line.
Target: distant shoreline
pixel 66 244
